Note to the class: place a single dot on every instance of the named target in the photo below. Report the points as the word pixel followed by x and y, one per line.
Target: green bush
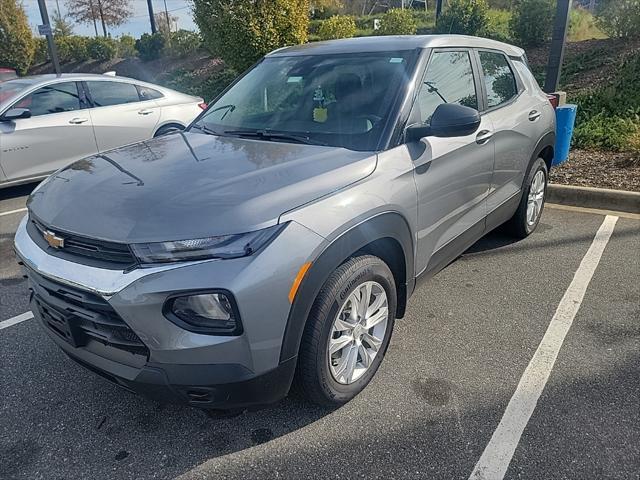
pixel 338 26
pixel 398 22
pixel 532 21
pixel 102 49
pixel 583 26
pixel 17 46
pixel 242 31
pixel 150 47
pixel 126 46
pixel 609 117
pixel 469 17
pixel 41 54
pixel 497 26
pixel 184 42
pixel 72 48
pixel 188 82
pixel 620 18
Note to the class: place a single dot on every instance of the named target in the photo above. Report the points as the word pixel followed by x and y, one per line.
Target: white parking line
pixel 17 319
pixel 11 212
pixel 498 453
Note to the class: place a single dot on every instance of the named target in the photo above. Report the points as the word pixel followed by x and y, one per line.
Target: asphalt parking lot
pixel 448 382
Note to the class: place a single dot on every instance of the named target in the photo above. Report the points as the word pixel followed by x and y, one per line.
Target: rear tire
pixel 346 337
pixel 527 216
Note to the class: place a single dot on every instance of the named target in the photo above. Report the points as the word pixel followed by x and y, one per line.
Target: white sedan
pixel 49 121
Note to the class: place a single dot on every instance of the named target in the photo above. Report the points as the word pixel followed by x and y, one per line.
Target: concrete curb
pixel 589 197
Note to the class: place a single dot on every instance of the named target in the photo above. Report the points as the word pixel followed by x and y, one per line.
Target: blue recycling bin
pixel 565 119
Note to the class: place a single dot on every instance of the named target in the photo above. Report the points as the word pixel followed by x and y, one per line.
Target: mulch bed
pixel 589 168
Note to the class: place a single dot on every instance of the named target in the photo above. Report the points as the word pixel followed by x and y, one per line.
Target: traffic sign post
pixel 45 29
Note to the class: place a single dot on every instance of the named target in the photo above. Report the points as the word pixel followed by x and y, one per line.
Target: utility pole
pixel 152 19
pixel 438 8
pixel 46 30
pixel 166 14
pixel 556 54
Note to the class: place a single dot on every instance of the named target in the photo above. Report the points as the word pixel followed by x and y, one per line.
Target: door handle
pixel 483 136
pixel 534 115
pixel 145 111
pixel 78 120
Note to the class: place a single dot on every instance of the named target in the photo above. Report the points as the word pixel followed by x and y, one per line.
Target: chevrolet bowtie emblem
pixel 53 240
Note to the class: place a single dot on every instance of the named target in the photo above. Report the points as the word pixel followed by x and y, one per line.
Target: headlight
pixel 210 313
pixel 225 246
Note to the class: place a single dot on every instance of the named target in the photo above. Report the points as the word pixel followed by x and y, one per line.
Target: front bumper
pixel 169 363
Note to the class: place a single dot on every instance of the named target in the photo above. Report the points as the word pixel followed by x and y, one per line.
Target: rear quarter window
pixel 147 93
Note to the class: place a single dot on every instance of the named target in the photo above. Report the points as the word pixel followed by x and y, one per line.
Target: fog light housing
pixel 211 313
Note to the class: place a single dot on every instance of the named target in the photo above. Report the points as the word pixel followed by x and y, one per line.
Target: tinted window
pixel 498 78
pixel 340 100
pixel 112 93
pixel 56 98
pixel 449 79
pixel 147 93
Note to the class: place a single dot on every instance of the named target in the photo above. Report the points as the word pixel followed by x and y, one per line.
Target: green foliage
pixel 532 21
pixel 583 26
pixel 242 31
pixel 397 22
pixel 150 47
pixel 72 48
pixel 469 17
pixel 61 26
pixel 183 42
pixel 338 26
pixel 102 49
pixel 497 26
pixel 126 46
pixel 620 18
pixel 17 45
pixel 192 84
pixel 609 117
pixel 41 54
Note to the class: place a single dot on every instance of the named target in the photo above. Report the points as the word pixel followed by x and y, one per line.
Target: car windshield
pixel 338 100
pixel 11 88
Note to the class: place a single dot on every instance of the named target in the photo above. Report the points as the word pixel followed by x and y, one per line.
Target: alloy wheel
pixel 536 197
pixel 358 332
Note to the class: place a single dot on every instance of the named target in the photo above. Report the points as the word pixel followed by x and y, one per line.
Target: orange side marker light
pixel 296 282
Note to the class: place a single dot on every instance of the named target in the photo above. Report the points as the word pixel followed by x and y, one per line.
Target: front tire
pixel 348 331
pixel 529 211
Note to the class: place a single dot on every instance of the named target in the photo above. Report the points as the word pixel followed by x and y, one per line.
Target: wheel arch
pixel 545 150
pixel 170 123
pixel 386 235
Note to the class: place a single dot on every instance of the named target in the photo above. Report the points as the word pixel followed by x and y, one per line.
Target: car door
pixel 58 132
pixel 119 116
pixel 514 115
pixel 452 174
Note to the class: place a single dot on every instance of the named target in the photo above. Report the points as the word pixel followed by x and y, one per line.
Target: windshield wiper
pixel 203 128
pixel 269 135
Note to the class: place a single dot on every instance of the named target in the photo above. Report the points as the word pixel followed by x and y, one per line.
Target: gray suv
pixel 280 236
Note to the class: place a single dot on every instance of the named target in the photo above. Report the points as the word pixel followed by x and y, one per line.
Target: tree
pixel 620 18
pixel 162 25
pixel 61 26
pixel 17 45
pixel 110 13
pixel 241 31
pixel 469 17
pixel 531 21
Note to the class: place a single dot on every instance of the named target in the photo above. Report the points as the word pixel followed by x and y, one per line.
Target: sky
pixel 136 25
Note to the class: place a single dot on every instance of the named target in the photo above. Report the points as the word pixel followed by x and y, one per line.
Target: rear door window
pixel 56 98
pixel 499 80
pixel 107 93
pixel 449 79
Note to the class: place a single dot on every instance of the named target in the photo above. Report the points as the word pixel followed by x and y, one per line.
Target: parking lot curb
pixel 599 198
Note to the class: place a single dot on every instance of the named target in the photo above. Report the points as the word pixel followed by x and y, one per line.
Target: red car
pixel 7 74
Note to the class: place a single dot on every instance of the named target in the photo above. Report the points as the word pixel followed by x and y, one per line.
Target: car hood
pixel 191 185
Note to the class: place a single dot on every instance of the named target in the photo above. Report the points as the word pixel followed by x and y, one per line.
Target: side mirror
pixel 415 132
pixel 15 114
pixel 453 120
